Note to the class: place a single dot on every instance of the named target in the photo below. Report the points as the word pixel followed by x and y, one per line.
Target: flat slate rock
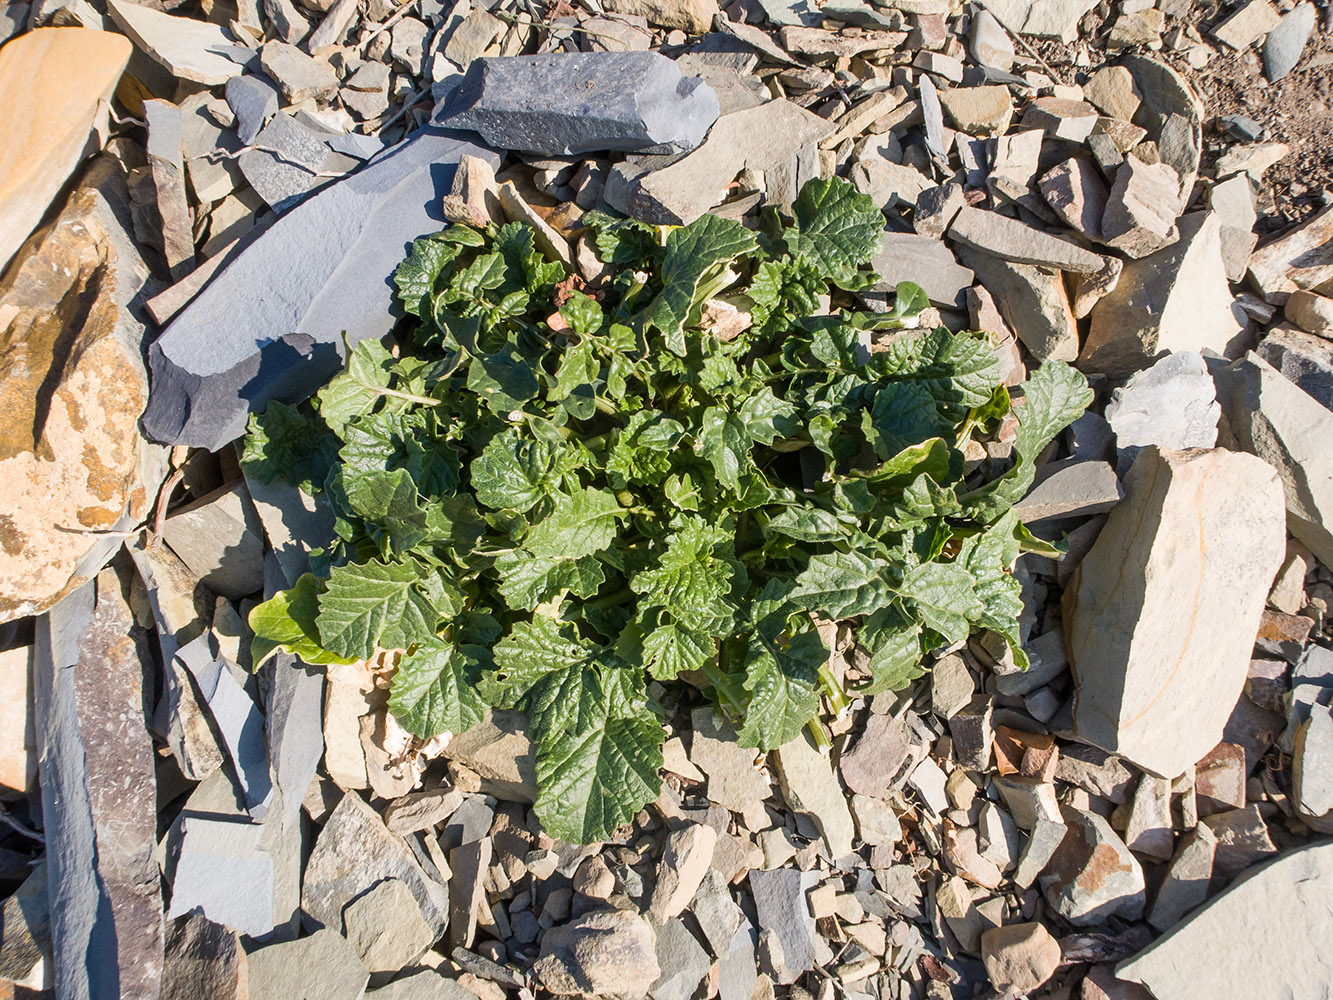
pixel 568 104
pixel 271 324
pixel 354 852
pixel 1294 893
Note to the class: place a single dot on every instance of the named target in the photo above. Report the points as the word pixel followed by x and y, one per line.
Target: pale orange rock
pixel 74 469
pixel 55 91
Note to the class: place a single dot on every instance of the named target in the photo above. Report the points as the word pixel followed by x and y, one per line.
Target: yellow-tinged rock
pixel 55 88
pixel 74 469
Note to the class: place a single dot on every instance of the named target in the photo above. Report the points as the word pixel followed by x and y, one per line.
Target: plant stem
pixel 838 699
pixel 620 597
pixel 723 682
pixel 822 743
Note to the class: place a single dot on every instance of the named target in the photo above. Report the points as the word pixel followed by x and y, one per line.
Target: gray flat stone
pixel 221 539
pixel 385 927
pixel 591 102
pixel 323 966
pixel 1072 489
pixel 1176 299
pixel 1304 358
pixel 253 100
pixel 224 873
pixel 1286 43
pixel 928 262
pixel 683 961
pixel 1293 893
pixel 602 952
pixel 291 160
pixel 1033 301
pixel 236 718
pixel 190 49
pixel 733 780
pixel 779 898
pixel 1008 238
pixel 1287 428
pixel 353 853
pixel 271 323
pixel 778 138
pixel 1092 876
pixel 1173 404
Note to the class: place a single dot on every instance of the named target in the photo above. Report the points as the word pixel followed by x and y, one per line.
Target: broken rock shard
pixel 271 324
pixel 567 104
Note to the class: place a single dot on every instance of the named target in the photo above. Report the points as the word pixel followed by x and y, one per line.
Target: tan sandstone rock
pixel 72 386
pixel 1161 615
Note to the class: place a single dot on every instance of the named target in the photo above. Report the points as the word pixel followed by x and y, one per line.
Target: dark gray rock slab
pixel 98 797
pixel 567 104
pixel 270 324
pixel 203 959
pixel 25 927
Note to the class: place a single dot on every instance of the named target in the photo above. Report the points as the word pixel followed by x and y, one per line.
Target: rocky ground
pixel 197 200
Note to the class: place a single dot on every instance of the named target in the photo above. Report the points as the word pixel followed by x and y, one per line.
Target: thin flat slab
pixel 50 118
pixel 271 323
pixel 190 50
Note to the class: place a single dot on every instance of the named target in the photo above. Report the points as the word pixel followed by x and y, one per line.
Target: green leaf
pixel 1053 397
pixel 689 581
pixel 894 644
pixel 725 442
pixel 286 622
pixel 582 523
pixel 536 648
pixel 511 473
pixel 642 449
pixel 909 300
pixel 582 313
pixel 842 585
pixel 989 559
pixel 599 751
pixel 416 275
pixel 358 387
pixel 837 228
pixel 767 418
pixel 282 442
pixel 904 415
pixel 388 503
pixel 807 524
pixel 782 682
pixel 693 254
pixel 670 650
pixel 503 380
pixel 956 368
pixel 527 580
pixel 378 606
pixel 944 596
pixel 436 689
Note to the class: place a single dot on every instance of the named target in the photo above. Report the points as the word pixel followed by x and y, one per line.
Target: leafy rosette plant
pixel 549 499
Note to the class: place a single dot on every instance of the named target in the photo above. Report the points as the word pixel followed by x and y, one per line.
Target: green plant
pixel 552 499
